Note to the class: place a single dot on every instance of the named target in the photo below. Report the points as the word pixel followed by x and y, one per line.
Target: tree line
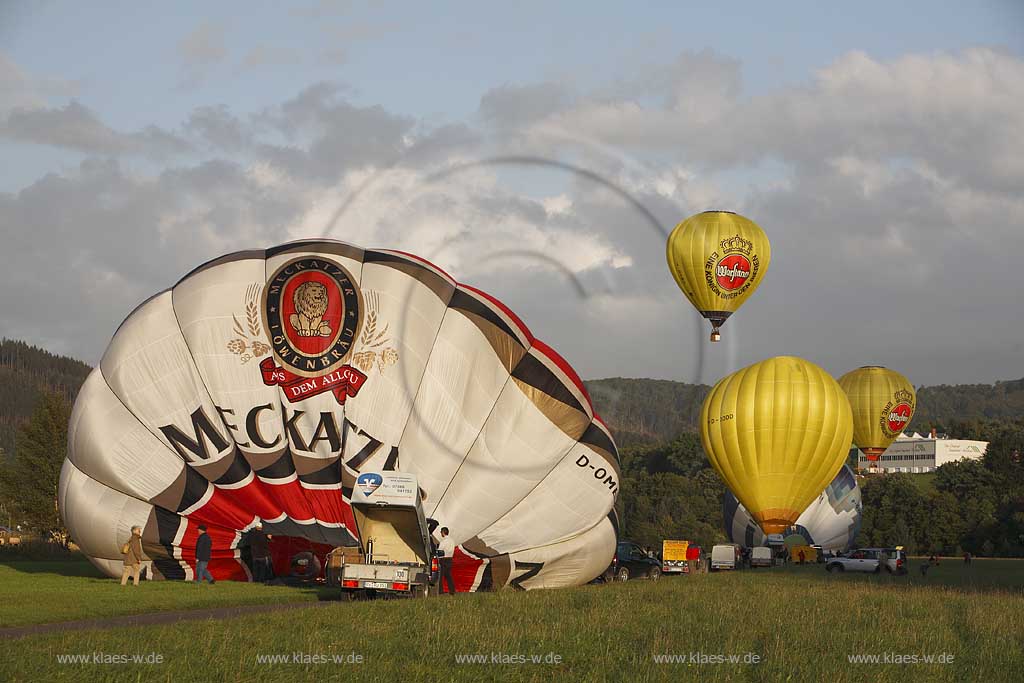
pixel 26 374
pixel 669 489
pixel 974 506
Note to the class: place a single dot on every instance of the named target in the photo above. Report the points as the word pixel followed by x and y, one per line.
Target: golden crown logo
pixel 904 396
pixel 737 244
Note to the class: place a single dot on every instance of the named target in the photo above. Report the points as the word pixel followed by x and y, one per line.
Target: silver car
pixel 860 560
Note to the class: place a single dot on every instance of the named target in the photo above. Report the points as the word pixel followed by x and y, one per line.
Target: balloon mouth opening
pixel 717 319
pixel 873 454
pixel 777 521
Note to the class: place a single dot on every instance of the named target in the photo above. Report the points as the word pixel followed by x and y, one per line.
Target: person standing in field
pixel 800 555
pixel 967 559
pixel 133 557
pixel 263 570
pixel 447 549
pixel 203 547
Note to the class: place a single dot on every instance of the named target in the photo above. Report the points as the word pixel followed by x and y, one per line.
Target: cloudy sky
pixel 541 154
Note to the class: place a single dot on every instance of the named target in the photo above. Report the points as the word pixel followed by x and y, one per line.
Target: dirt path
pixel 155 618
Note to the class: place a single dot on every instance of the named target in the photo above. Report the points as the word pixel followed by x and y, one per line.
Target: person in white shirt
pixel 446 548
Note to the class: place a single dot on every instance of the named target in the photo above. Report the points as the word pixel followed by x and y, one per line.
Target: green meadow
pixel 794 623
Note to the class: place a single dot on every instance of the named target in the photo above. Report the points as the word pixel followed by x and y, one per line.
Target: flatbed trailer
pixel 393 556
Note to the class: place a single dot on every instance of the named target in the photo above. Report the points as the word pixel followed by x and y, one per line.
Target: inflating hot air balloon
pixel 883 404
pixel 777 433
pixel 718 259
pixel 831 521
pixel 260 385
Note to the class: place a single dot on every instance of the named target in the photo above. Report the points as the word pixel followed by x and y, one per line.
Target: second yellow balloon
pixel 777 432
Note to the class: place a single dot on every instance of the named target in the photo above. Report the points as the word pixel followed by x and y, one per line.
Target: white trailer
pixel 394 553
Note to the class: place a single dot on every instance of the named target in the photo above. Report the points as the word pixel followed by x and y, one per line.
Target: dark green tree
pixel 29 479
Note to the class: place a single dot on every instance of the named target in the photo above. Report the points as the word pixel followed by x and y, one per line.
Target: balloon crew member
pixel 203 546
pixel 259 544
pixel 447 550
pixel 133 557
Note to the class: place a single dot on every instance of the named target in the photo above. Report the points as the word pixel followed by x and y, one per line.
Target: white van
pixel 724 557
pixel 760 557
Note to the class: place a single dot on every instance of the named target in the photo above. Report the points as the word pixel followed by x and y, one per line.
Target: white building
pixel 916 453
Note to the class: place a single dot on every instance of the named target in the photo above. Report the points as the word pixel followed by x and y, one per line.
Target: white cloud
pixel 21 89
pixel 889 189
pixel 201 50
pixel 76 127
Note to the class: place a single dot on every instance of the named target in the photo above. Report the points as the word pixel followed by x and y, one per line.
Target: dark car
pixel 632 562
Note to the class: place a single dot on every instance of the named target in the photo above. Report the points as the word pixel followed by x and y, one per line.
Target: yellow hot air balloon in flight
pixel 883 403
pixel 718 259
pixel 777 432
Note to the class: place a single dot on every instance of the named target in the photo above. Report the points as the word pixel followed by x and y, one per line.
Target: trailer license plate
pixel 377 584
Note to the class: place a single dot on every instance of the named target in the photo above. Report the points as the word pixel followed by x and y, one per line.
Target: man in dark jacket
pixel 203 547
pixel 259 544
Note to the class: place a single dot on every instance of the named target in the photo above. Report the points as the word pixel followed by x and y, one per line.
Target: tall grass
pixel 802 624
pixel 50 591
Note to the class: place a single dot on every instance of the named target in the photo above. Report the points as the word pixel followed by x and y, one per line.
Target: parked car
pixel 760 557
pixel 893 560
pixel 859 560
pixel 725 557
pixel 630 561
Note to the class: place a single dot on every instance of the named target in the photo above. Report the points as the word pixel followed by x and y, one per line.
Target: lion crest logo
pixel 312 310
pixel 310 302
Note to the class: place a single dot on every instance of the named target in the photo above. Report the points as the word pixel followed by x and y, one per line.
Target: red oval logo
pixel 312 311
pixel 899 417
pixel 732 271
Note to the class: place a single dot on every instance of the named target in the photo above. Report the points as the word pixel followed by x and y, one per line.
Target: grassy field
pixel 801 623
pixel 44 592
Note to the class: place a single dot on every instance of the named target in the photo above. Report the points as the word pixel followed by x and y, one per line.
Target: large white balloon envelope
pixel 260 385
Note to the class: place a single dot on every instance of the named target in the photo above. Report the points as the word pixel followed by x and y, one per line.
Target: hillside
pixel 649 411
pixel 638 411
pixel 25 372
pixel 938 406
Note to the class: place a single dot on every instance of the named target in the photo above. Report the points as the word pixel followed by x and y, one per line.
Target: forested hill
pixel 25 372
pixel 639 411
pixel 649 411
pixel 942 405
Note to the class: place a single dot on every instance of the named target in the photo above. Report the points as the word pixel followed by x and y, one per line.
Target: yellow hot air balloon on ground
pixel 718 259
pixel 883 403
pixel 777 432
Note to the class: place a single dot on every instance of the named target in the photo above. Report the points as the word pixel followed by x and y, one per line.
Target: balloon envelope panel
pixel 718 259
pixel 831 521
pixel 883 403
pixel 777 432
pixel 261 384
